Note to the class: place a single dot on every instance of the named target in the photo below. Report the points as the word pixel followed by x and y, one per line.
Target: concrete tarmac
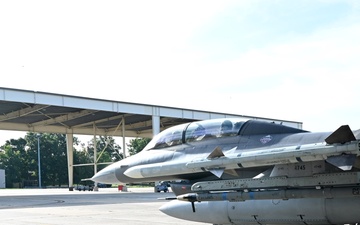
pixel 137 206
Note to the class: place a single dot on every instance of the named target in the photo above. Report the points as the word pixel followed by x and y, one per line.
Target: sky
pixel 290 60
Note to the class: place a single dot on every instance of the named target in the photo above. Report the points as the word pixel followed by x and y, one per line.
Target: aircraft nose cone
pixel 182 210
pixel 106 175
pixel 215 213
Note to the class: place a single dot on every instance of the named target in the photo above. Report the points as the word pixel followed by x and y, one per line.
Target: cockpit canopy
pixel 196 131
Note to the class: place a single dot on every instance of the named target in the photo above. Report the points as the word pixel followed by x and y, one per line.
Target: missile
pixel 271 211
pixel 284 194
pixel 157 169
pixel 217 161
pixel 275 156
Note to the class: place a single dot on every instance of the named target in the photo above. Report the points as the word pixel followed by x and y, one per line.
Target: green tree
pixel 107 150
pixel 53 157
pixel 14 159
pixel 81 172
pixel 137 144
pixel 19 157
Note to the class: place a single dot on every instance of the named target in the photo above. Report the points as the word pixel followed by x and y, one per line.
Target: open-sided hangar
pixel 41 112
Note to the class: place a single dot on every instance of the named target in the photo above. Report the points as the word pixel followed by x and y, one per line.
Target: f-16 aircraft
pixel 250 172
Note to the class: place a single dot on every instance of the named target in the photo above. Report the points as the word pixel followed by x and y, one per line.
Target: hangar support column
pixel 123 135
pixel 70 160
pixel 156 130
pixel 155 124
pixel 95 157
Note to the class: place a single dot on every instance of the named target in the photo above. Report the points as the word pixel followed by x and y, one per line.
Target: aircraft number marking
pixel 300 167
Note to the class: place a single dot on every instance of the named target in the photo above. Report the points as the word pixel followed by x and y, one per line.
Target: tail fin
pixel 342 135
pixel 344 162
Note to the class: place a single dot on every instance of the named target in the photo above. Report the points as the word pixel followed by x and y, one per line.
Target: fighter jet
pixel 234 171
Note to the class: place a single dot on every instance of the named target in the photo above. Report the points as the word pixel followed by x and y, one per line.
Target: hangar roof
pixel 32 111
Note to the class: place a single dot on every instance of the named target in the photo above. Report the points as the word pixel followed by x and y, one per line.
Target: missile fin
pixel 231 151
pixel 216 153
pixel 193 206
pixel 342 135
pixel 344 162
pixel 264 174
pixel 231 172
pixel 217 172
